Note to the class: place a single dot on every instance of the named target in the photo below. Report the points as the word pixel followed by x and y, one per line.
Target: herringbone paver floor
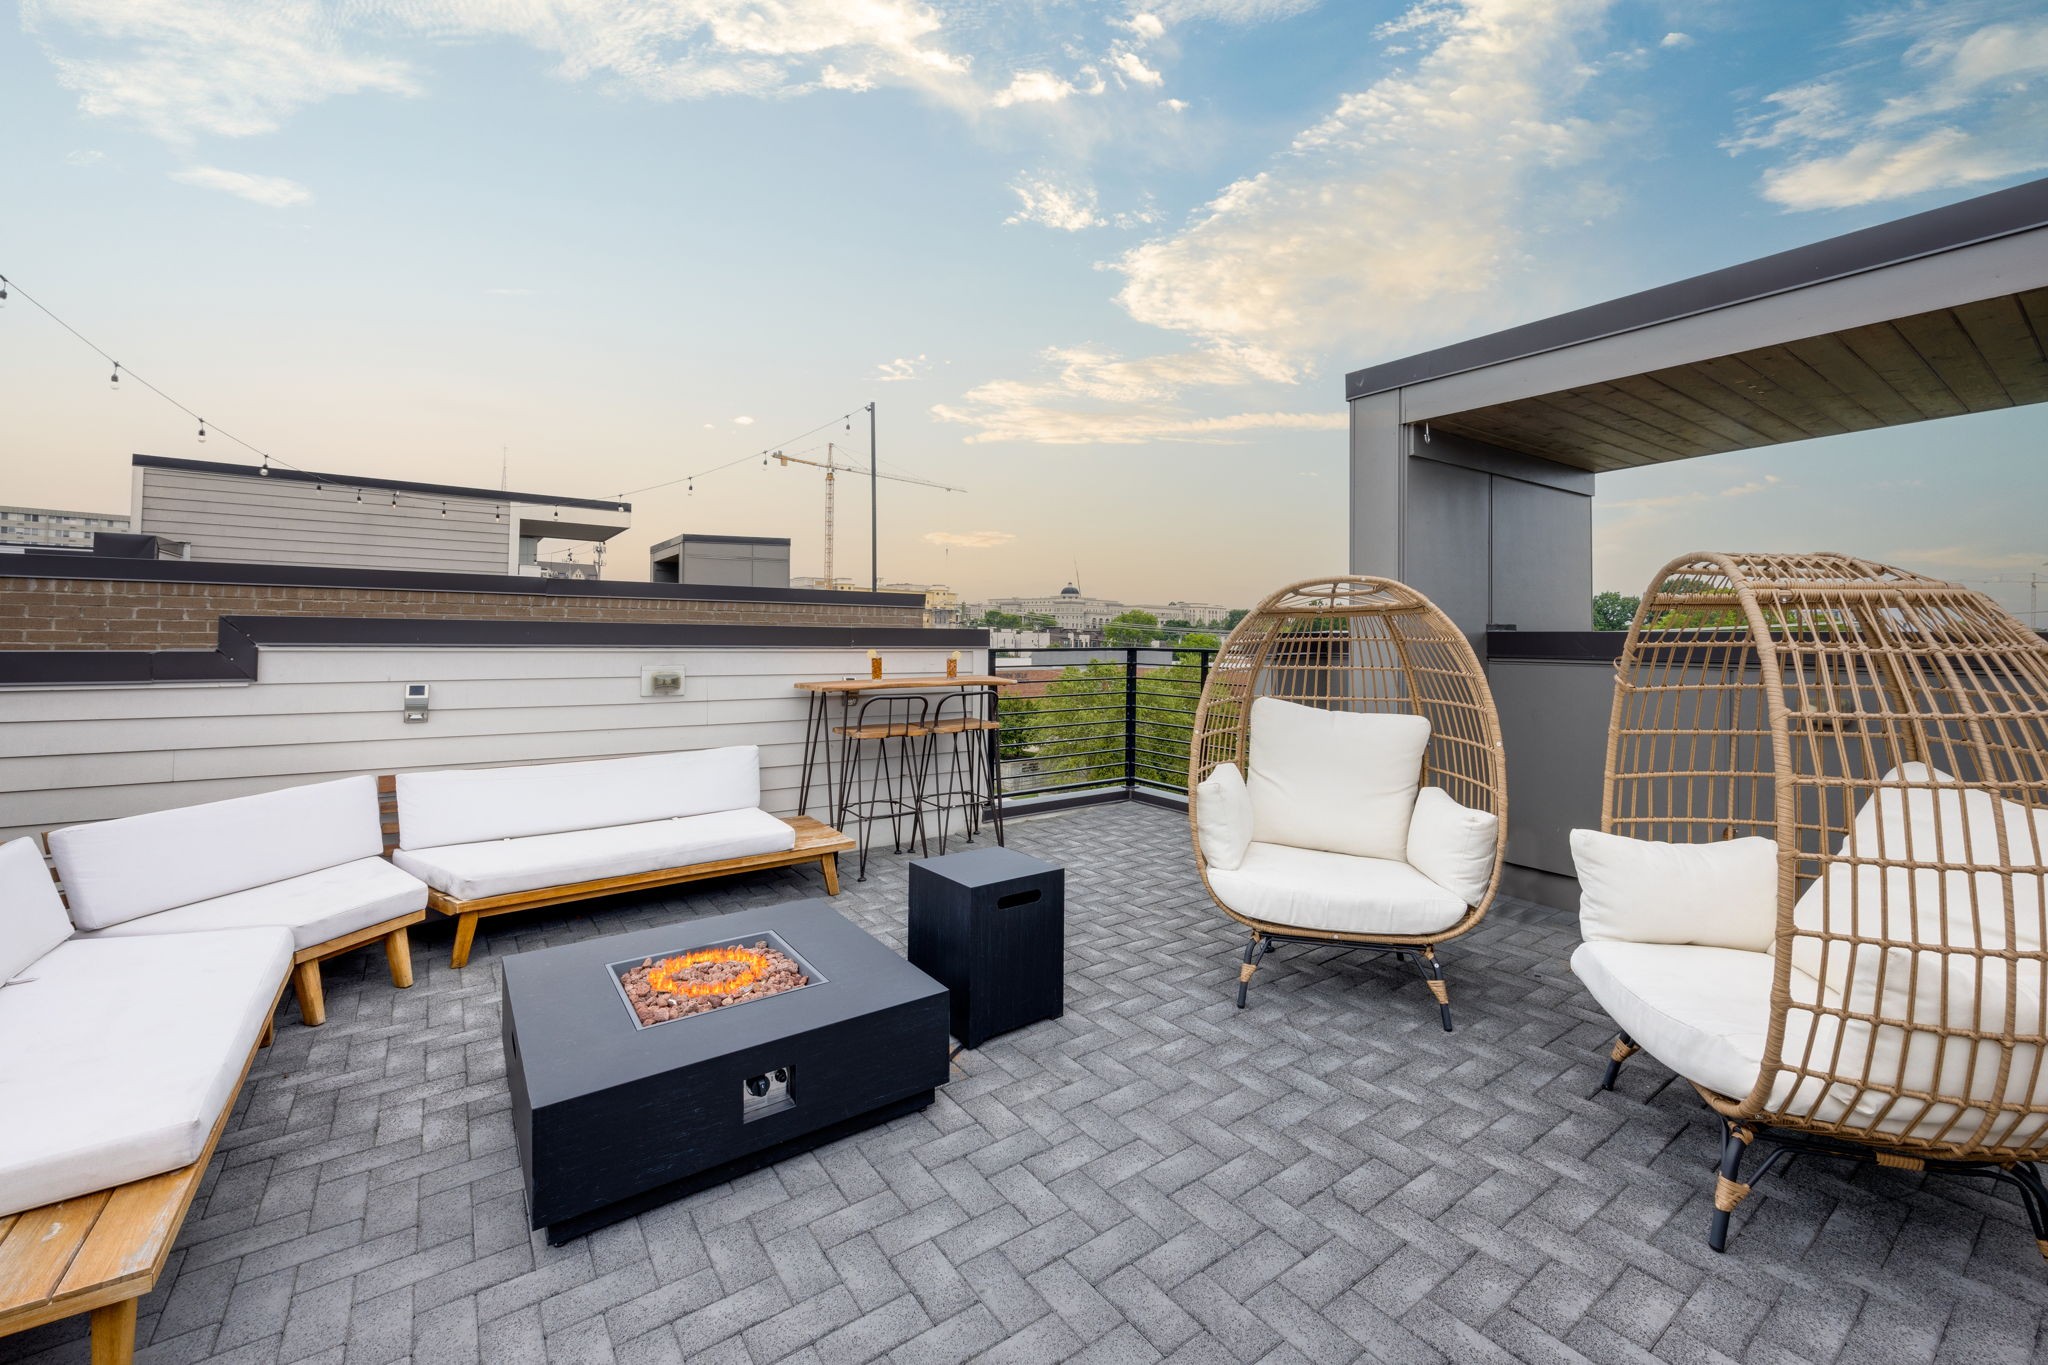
pixel 1325 1177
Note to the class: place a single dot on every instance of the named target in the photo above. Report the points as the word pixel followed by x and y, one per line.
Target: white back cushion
pixel 1223 817
pixel 470 805
pixel 1340 781
pixel 1452 844
pixel 1874 898
pixel 1718 895
pixel 32 917
pixel 117 870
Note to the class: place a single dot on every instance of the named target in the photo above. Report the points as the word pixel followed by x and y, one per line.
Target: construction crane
pixel 832 465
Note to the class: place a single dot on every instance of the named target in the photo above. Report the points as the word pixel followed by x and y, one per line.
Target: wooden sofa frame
pixel 101 1252
pixel 816 842
pixel 306 983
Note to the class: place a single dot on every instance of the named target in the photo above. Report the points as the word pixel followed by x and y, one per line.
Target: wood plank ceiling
pixel 1971 358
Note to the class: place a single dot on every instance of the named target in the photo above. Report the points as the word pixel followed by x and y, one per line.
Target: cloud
pixel 743 421
pixel 1676 40
pixel 969 540
pixel 85 156
pixel 1230 11
pixel 1923 98
pixel 269 190
pixel 185 68
pixel 1644 508
pixel 1093 396
pixel 1070 208
pixel 1403 214
pixel 180 67
pixel 896 371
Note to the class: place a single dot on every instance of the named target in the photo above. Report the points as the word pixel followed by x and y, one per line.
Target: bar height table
pixel 818 730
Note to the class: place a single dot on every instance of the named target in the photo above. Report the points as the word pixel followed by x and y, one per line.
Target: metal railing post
pixel 1130 721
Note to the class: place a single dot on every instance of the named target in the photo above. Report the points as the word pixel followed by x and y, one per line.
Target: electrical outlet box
pixel 661 680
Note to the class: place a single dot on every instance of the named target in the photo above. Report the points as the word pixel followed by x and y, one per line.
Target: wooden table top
pixel 906 684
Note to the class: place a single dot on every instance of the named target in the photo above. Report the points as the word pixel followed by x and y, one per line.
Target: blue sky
pixel 1102 265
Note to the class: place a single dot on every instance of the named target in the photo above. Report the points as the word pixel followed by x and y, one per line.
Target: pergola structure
pixel 1472 465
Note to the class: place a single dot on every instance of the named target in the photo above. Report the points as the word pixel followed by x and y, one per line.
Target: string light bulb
pixel 202 431
pixel 3 291
pixel 115 382
pixel 359 496
pixel 444 507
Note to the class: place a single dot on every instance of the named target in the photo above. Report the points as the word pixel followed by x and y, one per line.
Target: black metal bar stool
pixel 890 787
pixel 959 764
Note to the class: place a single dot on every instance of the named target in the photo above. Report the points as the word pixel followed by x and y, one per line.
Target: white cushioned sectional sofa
pixel 494 840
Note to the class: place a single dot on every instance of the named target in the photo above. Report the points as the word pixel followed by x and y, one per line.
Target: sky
pixel 1102 266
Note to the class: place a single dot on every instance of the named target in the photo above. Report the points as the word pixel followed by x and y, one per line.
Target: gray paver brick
pixel 1154 1175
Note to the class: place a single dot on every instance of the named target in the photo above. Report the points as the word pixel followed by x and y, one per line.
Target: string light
pixel 115 382
pixel 202 431
pixel 3 291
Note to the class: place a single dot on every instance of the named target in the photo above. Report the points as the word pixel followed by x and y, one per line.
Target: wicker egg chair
pixel 1363 648
pixel 1836 932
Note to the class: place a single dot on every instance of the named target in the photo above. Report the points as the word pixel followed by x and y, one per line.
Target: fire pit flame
pixel 666 976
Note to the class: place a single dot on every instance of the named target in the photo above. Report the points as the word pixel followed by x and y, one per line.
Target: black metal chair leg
pixel 1624 1048
pixel 1433 972
pixel 1253 952
pixel 1728 1191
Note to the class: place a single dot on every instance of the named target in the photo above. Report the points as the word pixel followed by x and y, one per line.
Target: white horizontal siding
pixel 74 754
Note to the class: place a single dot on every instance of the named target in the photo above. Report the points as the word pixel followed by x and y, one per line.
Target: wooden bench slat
pixel 134 1232
pixel 39 1249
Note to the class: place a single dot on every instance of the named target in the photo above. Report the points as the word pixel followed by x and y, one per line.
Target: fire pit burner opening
pixel 664 987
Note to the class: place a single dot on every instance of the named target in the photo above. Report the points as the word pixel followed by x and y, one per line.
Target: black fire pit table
pixel 615 1116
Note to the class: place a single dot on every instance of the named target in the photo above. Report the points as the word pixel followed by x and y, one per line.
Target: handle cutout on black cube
pixel 1017 898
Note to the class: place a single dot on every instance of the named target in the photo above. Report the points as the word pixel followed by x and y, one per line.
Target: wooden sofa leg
pixel 113 1333
pixel 465 936
pixel 398 954
pixel 312 1001
pixel 829 864
pixel 269 1032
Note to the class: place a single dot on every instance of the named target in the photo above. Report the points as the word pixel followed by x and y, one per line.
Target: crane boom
pixel 831 464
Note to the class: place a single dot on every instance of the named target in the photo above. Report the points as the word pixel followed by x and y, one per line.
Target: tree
pixel 1197 639
pixel 1000 620
pixel 1133 628
pixel 1614 610
pixel 1236 614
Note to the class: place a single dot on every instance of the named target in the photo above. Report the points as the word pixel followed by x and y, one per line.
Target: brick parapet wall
pixel 121 614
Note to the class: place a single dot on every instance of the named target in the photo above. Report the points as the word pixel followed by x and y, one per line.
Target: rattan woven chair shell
pixel 1356 644
pixel 1779 695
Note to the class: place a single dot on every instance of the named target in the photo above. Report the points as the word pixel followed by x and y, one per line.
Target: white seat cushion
pixel 318 907
pixel 1452 844
pixel 140 864
pixel 119 1055
pixel 1306 888
pixel 1223 816
pixel 466 806
pixel 1722 894
pixel 1341 781
pixel 32 919
pixel 1703 1012
pixel 500 867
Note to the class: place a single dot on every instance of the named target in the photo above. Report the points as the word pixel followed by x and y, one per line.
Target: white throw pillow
pixel 1452 844
pixel 1223 817
pixel 32 918
pixel 1340 781
pixel 1717 895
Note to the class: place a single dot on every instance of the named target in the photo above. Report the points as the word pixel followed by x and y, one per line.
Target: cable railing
pixel 1104 724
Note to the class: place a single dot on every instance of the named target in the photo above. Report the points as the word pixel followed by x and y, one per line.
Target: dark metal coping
pixel 2023 208
pixel 443 490
pixel 1558 646
pixel 233 658
pixel 63 565
pixel 673 541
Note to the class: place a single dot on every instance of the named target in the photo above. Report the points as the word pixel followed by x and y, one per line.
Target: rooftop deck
pixel 1326 1176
